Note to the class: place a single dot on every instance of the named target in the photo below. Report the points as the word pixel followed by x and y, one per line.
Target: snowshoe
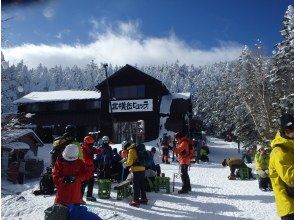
pixel 134 203
pixel 91 198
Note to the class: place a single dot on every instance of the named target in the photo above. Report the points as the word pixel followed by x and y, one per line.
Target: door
pixel 132 131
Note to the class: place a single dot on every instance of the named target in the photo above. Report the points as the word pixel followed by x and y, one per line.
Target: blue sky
pixel 162 30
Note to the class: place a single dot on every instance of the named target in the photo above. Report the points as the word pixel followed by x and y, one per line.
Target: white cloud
pixel 120 46
pixel 48 12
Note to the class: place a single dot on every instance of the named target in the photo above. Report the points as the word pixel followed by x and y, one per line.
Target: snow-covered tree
pixel 282 68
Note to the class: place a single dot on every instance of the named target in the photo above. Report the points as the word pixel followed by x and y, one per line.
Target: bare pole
pixel 105 65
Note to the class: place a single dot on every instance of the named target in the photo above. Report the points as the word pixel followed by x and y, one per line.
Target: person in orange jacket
pixel 182 150
pixel 68 174
pixel 88 153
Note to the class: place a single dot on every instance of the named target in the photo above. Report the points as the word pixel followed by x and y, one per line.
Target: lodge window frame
pixel 129 92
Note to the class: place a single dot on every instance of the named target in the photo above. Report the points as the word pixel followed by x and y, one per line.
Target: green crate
pixel 162 183
pixel 123 192
pixel 104 188
pixel 244 173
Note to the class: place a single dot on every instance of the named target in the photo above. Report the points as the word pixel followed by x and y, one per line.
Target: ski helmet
pixel 89 140
pixel 105 139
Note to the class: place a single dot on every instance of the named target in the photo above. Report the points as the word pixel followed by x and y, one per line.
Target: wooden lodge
pixel 138 103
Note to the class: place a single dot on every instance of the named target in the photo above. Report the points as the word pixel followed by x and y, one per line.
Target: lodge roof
pixel 62 95
pixel 126 71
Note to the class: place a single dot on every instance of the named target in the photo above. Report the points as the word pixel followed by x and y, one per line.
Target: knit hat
pixel 287 122
pixel 125 145
pixel 71 152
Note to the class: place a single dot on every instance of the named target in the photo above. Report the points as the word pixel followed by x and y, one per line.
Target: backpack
pixel 143 156
pixel 59 144
pixel 57 211
pixel 46 184
pixel 191 153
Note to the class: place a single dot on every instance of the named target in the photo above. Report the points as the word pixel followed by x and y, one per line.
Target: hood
pixel 281 141
pixel 131 146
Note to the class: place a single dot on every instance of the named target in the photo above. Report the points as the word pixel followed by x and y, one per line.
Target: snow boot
pixel 231 177
pixel 91 198
pixel 143 201
pixel 181 191
pixel 134 203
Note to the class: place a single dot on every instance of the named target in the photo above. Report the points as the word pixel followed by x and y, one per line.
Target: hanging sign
pixel 142 105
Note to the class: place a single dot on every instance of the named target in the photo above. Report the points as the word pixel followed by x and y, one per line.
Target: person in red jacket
pixel 88 153
pixel 68 174
pixel 182 150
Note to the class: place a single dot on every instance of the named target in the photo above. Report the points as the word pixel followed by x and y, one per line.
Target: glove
pixel 69 179
pixel 123 160
pixel 124 165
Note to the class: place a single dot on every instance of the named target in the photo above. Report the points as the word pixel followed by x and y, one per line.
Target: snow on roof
pixel 166 101
pixel 13 135
pixel 62 95
pixel 17 145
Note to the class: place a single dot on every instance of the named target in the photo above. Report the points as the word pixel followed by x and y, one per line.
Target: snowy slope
pixel 213 196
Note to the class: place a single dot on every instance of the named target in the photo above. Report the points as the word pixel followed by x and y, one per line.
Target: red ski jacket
pixel 88 154
pixel 69 193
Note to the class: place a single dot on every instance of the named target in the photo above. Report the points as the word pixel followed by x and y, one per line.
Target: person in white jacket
pixel 156 160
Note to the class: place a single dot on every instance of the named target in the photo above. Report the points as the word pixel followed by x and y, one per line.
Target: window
pixel 59 106
pixel 129 92
pixel 33 107
pixel 93 104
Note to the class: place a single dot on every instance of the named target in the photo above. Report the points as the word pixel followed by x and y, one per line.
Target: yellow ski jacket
pixel 281 172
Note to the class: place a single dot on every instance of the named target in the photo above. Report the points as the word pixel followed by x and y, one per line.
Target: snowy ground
pixel 213 196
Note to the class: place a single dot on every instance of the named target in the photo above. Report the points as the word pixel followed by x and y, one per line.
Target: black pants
pixel 288 217
pixel 264 183
pixel 105 171
pixel 157 169
pixel 139 185
pixel 185 177
pixel 90 184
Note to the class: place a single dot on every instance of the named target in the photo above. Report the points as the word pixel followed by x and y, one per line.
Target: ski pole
pixel 122 173
pixel 104 156
pixel 174 176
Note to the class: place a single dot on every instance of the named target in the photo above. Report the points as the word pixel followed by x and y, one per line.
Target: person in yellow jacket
pixel 281 168
pixel 261 167
pixel 138 170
